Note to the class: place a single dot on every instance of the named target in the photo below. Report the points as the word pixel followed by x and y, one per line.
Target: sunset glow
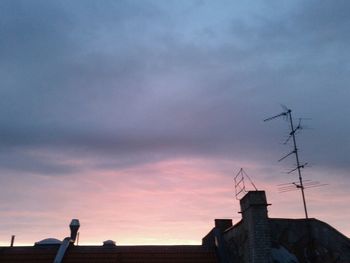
pixel 135 116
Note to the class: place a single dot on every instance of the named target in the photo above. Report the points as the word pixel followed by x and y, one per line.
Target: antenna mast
pixel 288 114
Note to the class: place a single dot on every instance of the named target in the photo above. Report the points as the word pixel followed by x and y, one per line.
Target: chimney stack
pixel 223 224
pixel 255 220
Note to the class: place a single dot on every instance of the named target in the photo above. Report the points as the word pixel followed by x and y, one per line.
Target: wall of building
pixel 310 240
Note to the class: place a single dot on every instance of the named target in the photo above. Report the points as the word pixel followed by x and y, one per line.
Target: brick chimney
pixel 223 224
pixel 255 220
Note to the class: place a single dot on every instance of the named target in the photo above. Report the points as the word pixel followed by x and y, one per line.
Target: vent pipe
pixel 74 227
pixel 12 240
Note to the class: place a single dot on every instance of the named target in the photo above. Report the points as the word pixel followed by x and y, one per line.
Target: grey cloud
pixel 121 80
pixel 27 162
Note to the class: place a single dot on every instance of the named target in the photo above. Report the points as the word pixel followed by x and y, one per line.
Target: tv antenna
pixel 287 114
pixel 293 186
pixel 240 188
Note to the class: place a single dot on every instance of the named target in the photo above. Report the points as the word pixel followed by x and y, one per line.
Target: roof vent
pixel 48 242
pixel 109 243
pixel 74 227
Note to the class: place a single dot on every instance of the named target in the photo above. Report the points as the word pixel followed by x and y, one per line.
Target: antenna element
pixel 240 188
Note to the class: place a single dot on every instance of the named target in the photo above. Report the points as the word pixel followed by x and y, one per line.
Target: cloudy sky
pixel 134 116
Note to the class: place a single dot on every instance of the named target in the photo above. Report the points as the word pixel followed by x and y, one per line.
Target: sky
pixel 135 116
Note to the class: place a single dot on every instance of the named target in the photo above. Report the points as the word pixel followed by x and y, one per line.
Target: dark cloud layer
pixel 120 80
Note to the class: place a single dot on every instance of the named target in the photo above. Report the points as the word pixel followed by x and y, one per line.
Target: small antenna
pixel 12 240
pixel 288 114
pixel 240 188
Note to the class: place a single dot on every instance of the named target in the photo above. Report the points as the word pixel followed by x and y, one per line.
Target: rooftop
pixel 116 254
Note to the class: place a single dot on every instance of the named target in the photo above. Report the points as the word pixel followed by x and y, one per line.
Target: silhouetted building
pixel 259 239
pixel 255 239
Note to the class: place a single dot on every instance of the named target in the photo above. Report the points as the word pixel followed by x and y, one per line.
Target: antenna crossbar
pixel 284 157
pixel 298 167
